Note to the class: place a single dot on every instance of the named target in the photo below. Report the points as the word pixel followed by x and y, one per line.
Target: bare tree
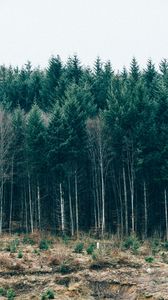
pixel 99 159
pixel 5 157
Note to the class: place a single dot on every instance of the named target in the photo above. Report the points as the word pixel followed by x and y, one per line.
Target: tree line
pixel 84 149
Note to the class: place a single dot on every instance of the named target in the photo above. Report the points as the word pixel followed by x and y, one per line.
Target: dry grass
pixel 6 262
pixel 60 254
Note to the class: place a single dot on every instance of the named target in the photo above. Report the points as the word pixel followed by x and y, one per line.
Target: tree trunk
pixel 39 205
pixel 30 205
pixel 145 212
pixel 125 202
pixel 70 208
pixel 121 210
pixel 102 192
pixel 97 200
pixel 11 201
pixel 76 204
pixel 131 184
pixel 62 209
pixel 25 202
pixel 1 204
pixel 166 219
pixel 132 206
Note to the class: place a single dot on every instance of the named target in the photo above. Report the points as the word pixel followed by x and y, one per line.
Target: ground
pixel 32 265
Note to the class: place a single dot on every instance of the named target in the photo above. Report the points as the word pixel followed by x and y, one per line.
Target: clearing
pixel 39 268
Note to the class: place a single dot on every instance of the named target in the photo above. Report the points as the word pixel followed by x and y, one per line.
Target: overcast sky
pixel 113 29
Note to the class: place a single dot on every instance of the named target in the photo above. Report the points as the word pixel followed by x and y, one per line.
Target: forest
pixel 84 149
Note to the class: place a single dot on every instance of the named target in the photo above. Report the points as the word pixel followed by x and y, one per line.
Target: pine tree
pixel 36 151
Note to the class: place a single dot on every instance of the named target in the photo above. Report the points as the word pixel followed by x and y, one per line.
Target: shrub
pixel 79 248
pixel 36 251
pixel 44 296
pixel 165 245
pixel 10 294
pixel 12 247
pixel 132 243
pixel 49 294
pixel 65 239
pixel 91 249
pixel 94 256
pixel 64 269
pixel 2 291
pixel 28 240
pixel 155 245
pixel 44 245
pixel 20 254
pixel 149 259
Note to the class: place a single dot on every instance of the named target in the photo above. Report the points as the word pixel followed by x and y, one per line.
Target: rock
pixel 149 270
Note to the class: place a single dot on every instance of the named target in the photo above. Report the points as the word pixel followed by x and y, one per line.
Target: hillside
pixel 112 272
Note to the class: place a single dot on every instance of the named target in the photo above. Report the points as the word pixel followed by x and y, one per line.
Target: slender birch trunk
pixel 121 211
pixel 166 218
pixel 97 200
pixel 145 211
pixel 70 208
pixel 132 206
pixel 102 191
pixel 30 205
pixel 62 209
pixel 132 192
pixel 26 218
pixel 76 204
pixel 131 184
pixel 125 202
pixel 1 204
pixel 39 205
pixel 11 201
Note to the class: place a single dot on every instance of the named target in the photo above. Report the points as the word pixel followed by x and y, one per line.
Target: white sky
pixel 113 29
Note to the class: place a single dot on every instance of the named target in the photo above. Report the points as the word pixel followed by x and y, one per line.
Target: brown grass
pixel 60 254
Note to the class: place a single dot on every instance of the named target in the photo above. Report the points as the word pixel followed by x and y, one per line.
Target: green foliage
pixel 165 245
pixel 90 249
pixel 36 140
pixel 49 294
pixel 44 296
pixel 20 254
pixel 12 247
pixel 65 239
pixel 10 294
pixel 94 256
pixel 27 240
pixel 132 243
pixel 64 268
pixel 79 247
pixel 2 291
pixel 44 117
pixel 155 245
pixel 44 244
pixel 36 251
pixel 149 259
pixel 164 257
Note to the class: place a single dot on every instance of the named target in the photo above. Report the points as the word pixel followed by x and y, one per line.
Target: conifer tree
pixel 36 152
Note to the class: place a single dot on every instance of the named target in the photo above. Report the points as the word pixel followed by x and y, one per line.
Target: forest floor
pixel 40 268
